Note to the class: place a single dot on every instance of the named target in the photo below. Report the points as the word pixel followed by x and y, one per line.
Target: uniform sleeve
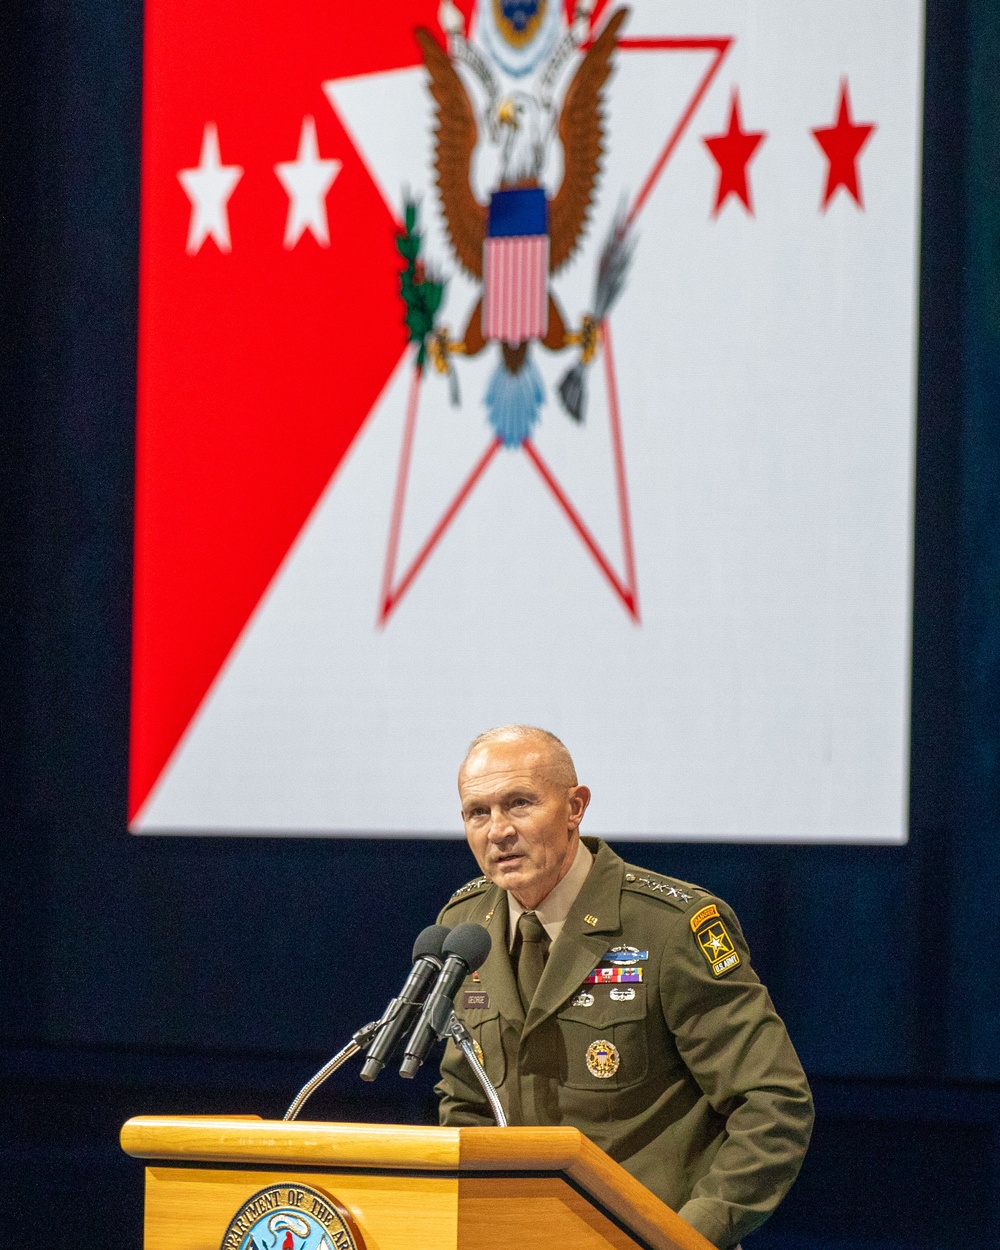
pixel 737 1049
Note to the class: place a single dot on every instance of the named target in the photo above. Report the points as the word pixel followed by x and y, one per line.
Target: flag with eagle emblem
pixel 526 360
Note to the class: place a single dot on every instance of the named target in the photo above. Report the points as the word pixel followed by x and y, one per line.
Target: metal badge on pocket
pixel 602 1059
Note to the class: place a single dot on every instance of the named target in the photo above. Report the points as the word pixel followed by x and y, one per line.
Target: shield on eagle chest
pixel 516 266
pixel 518 20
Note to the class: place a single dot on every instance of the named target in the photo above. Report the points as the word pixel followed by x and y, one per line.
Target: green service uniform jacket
pixel 707 1104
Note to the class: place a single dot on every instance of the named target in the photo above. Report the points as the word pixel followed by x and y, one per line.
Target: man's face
pixel 521 819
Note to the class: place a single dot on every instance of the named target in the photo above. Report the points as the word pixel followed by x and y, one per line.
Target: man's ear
pixel 579 798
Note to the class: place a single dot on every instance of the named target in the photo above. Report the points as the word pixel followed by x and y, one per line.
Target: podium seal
pixel 290 1216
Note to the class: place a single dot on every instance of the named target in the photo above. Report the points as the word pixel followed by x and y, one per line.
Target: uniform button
pixel 630 876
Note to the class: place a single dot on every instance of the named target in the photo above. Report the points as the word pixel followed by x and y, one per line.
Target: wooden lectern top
pixel 507 1156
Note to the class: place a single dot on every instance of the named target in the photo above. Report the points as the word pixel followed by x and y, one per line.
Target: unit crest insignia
pixel 291 1217
pixel 602 1059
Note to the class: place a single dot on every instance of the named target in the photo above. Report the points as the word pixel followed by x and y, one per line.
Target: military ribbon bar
pixel 612 976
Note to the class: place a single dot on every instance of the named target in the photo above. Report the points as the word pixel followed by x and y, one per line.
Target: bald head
pixel 522 807
pixel 553 756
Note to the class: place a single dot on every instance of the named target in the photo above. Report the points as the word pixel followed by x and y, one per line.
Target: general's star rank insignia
pixel 717 947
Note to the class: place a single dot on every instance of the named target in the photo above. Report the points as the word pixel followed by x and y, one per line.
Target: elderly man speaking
pixel 617 1000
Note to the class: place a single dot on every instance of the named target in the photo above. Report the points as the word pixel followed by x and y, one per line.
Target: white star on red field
pixel 307 180
pixel 208 187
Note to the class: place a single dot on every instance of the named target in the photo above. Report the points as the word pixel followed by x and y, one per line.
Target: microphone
pixel 398 1016
pixel 465 948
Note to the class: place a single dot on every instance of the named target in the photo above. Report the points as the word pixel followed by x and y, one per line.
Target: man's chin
pixel 508 874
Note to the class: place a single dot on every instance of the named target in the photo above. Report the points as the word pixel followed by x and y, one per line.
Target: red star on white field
pixel 842 144
pixel 397 581
pixel 733 152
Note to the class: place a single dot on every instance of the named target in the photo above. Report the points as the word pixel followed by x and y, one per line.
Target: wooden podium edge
pixel 567 1150
pixel 303 1144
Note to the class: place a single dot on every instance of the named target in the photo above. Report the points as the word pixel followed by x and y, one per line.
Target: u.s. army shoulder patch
pixel 717 946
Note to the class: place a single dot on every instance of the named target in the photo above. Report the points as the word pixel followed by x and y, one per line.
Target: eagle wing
pixel 455 140
pixel 581 132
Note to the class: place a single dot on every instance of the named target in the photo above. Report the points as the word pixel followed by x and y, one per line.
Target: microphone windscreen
pixel 429 941
pixel 470 942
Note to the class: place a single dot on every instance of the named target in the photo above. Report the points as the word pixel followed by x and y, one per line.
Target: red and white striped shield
pixel 516 266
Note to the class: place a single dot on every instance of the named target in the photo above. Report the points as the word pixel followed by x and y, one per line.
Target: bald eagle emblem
pixel 527 85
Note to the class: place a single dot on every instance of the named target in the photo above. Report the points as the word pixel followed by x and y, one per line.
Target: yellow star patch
pixel 717 947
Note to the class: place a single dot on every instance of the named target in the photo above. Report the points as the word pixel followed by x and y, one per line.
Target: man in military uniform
pixel 617 1000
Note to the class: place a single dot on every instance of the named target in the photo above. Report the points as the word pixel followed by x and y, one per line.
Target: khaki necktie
pixel 532 947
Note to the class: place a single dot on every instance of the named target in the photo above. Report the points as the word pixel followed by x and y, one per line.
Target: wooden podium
pixel 219 1181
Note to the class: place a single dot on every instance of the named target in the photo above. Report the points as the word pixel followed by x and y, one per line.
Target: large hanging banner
pixel 521 362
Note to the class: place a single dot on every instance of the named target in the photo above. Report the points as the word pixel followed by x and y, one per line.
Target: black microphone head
pixel 429 941
pixel 470 942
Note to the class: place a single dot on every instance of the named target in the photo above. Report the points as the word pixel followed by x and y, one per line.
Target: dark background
pixel 213 975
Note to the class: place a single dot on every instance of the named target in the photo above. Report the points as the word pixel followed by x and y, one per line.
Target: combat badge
pixel 624 956
pixel 602 1059
pixel 310 1220
pixel 622 996
pixel 717 947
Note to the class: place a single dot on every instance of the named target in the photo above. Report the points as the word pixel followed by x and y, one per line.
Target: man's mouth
pixel 508 860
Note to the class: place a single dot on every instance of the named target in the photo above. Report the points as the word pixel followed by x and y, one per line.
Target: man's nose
pixel 500 827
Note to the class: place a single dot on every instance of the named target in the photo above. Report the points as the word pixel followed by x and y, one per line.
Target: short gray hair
pixel 561 758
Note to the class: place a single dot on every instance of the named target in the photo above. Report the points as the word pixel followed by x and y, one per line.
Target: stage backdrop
pixel 412 461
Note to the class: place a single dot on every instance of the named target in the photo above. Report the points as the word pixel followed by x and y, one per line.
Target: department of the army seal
pixel 291 1217
pixel 602 1059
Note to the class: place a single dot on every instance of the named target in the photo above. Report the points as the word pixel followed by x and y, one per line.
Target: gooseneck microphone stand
pixel 463 1039
pixel 359 1041
pixel 453 1028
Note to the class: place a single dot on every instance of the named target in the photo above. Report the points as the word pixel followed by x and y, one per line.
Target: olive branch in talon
pixel 423 291
pixel 612 270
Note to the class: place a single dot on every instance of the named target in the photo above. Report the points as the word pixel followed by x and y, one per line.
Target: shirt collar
pixel 554 908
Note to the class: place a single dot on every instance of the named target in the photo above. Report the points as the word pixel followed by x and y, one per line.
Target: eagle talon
pixel 438 348
pixel 588 339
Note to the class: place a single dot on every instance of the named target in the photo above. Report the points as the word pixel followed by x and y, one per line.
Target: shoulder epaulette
pixel 680 894
pixel 470 887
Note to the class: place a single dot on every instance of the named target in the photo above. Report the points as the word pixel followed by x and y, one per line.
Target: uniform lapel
pixel 496 974
pixel 581 944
